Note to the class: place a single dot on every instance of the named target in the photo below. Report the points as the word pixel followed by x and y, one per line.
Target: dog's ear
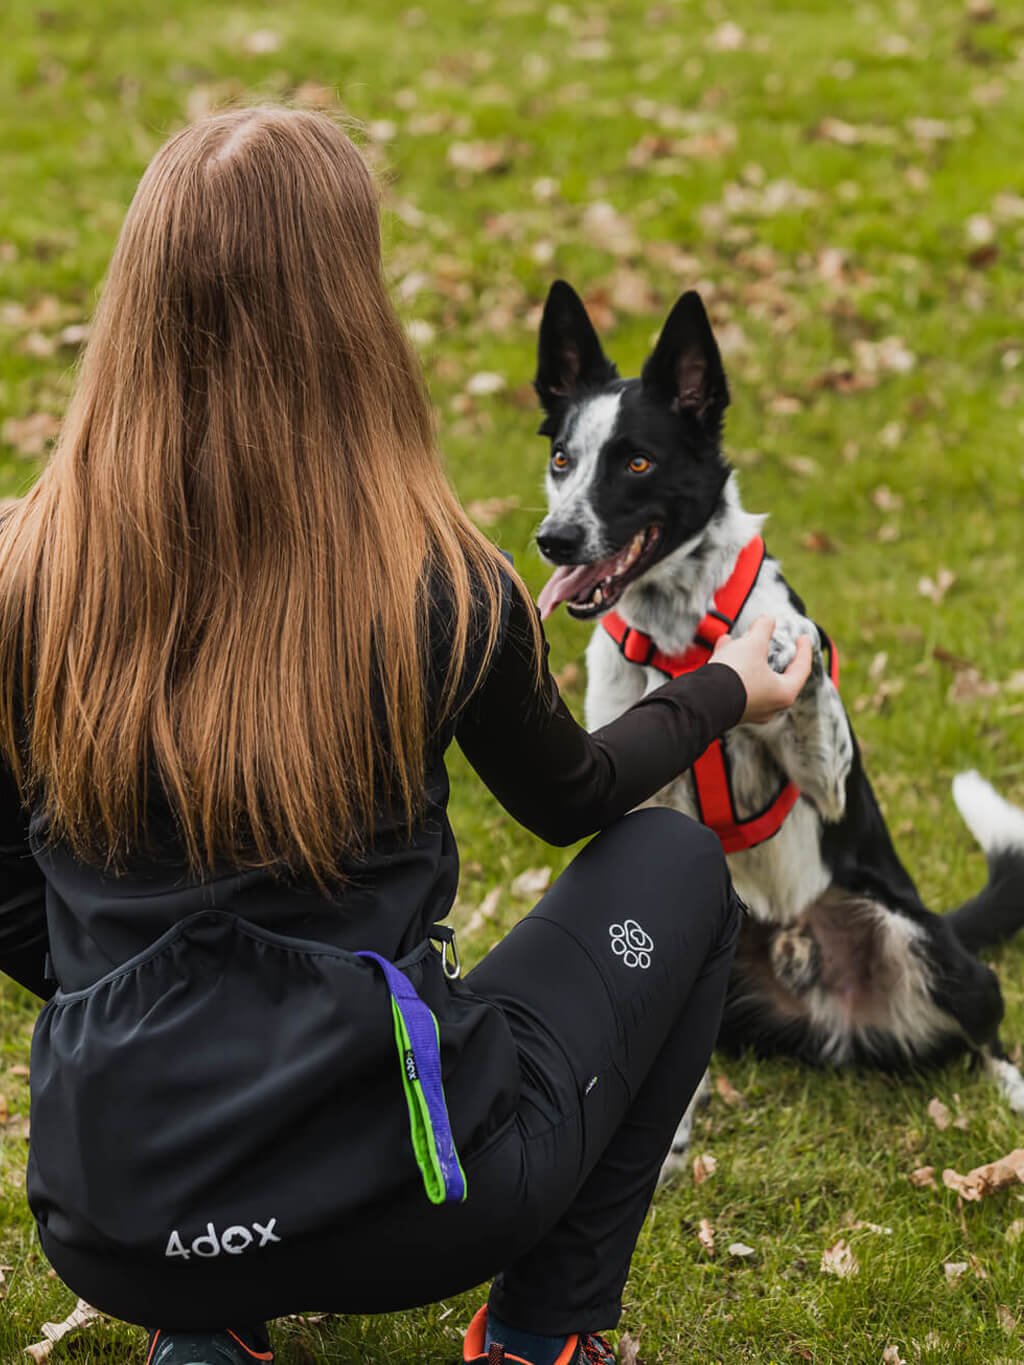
pixel 686 368
pixel 569 355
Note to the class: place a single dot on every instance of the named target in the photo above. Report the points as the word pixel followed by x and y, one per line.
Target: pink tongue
pixel 568 581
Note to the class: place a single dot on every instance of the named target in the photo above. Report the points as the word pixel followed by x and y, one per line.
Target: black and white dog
pixel 839 961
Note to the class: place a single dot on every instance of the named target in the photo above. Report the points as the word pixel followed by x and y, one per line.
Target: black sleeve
pixel 23 937
pixel 555 778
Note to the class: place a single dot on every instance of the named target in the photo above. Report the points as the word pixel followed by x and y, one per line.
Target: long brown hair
pixel 219 576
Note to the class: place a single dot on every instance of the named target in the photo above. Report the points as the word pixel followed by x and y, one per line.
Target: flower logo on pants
pixel 633 944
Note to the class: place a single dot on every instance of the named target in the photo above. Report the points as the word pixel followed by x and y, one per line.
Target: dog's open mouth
pixel 589 589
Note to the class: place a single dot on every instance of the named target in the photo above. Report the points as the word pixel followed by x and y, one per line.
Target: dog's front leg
pixel 613 684
pixel 811 741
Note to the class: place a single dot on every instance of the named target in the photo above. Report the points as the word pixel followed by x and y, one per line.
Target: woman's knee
pixel 676 856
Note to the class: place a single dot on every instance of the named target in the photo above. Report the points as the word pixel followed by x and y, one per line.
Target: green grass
pixel 922 471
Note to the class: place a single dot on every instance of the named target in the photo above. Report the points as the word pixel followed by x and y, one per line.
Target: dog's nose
pixel 560 544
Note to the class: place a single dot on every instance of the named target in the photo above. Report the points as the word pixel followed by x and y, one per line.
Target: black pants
pixel 613 987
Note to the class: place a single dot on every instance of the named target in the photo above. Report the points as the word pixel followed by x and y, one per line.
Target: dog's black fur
pixel 840 961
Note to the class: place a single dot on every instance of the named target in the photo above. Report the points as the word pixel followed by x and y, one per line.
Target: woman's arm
pixel 23 938
pixel 555 778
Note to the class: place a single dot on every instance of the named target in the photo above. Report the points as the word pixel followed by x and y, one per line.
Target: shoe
pixel 585 1349
pixel 208 1348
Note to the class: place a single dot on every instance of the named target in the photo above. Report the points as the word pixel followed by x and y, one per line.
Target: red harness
pixel 711 771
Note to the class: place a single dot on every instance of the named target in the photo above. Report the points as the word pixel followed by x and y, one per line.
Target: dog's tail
pixel 998 911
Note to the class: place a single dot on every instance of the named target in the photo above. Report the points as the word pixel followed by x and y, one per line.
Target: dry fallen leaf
pixel 728 1092
pixel 1006 1319
pixel 741 1249
pixel 819 543
pixel 81 1316
pixel 953 1270
pixel 533 882
pixel 936 588
pixel 484 911
pixel 706 1236
pixel 628 1349
pixel 485 383
pixel 704 1167
pixel 479 158
pixel 891 1356
pixel 983 1180
pixel 261 42
pixel 568 676
pixel 923 1178
pixel 487 511
pixel 939 1114
pixel 969 685
pixel 839 1260
pixel 1015 1231
pixel 30 435
pixel 20 1070
pixel 4 1111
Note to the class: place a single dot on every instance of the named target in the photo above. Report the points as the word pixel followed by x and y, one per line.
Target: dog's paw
pixel 796 960
pixel 782 647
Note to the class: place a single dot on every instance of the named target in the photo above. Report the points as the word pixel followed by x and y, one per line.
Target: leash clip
pixel 451 964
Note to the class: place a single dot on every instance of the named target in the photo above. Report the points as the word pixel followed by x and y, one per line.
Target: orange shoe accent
pixel 476 1334
pixel 256 1355
pixel 152 1345
pixel 569 1351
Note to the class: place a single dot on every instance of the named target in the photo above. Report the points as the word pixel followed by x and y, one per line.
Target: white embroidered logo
pixel 633 944
pixel 233 1240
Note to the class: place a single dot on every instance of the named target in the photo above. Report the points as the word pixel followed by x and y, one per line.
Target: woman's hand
pixel 768 692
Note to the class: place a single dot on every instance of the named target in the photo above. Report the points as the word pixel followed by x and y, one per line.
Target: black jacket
pixel 216 1067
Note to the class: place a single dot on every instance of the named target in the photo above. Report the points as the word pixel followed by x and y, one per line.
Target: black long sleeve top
pixel 557 779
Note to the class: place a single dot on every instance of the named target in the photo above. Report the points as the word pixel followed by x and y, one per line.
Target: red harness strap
pixel 711 771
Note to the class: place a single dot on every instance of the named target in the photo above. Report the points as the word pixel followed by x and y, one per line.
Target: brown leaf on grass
pixel 1006 1319
pixel 20 1071
pixel 630 292
pixel 313 95
pixel 704 1167
pixel 728 1092
pixel 533 882
pixel 819 543
pixel 261 42
pixel 891 1356
pixel 605 227
pixel 30 435
pixel 969 685
pixel 839 1260
pixel 984 1180
pixel 939 1114
pixel 5 1112
pixel 488 511
pixel 484 911
pixel 936 588
pixel 568 676
pixel 485 383
pixel 82 1316
pixel 628 1349
pixel 17 1126
pixel 706 1236
pixel 479 158
pixel 1015 1231
pixel 954 1270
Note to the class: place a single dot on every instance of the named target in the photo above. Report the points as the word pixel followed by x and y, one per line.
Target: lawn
pixel 845 185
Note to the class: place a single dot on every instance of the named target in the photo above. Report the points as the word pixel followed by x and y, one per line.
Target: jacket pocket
pixel 225 1080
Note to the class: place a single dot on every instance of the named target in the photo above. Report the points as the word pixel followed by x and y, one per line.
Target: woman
pixel 242 616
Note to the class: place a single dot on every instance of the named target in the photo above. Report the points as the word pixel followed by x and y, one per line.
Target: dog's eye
pixel 559 460
pixel 639 464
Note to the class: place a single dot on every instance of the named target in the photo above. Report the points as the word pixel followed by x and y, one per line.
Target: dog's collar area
pixel 711 774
